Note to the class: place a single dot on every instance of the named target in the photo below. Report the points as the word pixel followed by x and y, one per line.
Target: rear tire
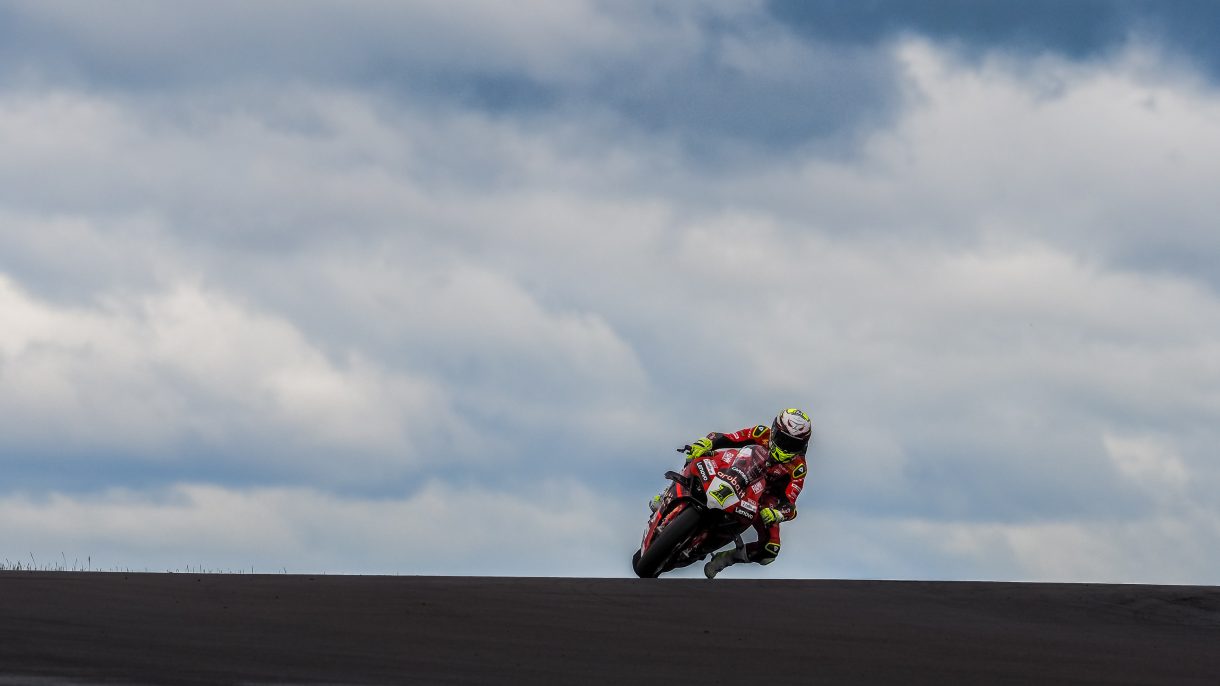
pixel 650 563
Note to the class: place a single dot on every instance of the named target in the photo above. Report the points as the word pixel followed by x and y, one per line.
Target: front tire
pixel 650 563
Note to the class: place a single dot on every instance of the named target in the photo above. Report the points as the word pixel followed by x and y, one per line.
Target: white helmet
pixel 790 434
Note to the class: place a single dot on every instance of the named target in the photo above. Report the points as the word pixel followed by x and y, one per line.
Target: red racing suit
pixel 784 483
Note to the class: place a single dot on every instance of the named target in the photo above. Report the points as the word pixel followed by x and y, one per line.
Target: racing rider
pixel 786 439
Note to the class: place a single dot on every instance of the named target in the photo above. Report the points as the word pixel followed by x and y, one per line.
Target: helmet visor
pixel 781 455
pixel 782 442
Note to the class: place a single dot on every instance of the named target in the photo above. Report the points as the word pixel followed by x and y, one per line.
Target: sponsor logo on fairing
pixel 748 506
pixel 731 478
pixel 722 494
pixel 757 488
pixel 737 477
pixel 702 470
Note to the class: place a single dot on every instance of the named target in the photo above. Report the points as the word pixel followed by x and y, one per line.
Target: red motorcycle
pixel 710 503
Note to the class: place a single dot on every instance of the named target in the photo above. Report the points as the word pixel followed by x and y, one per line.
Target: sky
pixel 439 287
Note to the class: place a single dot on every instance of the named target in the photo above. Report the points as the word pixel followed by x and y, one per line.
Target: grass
pixel 61 565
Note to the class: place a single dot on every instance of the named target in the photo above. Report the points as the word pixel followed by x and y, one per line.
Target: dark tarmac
pixel 120 628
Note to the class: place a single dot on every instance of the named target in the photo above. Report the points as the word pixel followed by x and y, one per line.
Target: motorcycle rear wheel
pixel 650 563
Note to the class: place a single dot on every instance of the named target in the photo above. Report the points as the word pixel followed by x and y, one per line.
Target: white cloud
pixel 1148 460
pixel 555 527
pixel 145 375
pixel 367 235
pixel 1110 160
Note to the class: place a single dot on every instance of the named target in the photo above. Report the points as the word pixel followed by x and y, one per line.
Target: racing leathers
pixel 784 481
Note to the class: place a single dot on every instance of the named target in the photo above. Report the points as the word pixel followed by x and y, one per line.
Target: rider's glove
pixel 699 448
pixel 770 515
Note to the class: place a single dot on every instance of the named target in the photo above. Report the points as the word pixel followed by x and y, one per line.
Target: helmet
pixel 790 434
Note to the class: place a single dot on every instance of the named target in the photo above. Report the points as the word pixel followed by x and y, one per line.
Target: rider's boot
pixel 724 559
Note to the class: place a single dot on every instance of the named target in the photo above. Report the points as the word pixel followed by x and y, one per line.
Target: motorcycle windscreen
pixel 751 463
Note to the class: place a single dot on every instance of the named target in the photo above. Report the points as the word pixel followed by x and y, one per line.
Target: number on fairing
pixel 721 492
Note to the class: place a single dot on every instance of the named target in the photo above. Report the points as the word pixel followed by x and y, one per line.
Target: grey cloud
pixel 1076 29
pixel 724 80
pixel 1082 30
pixel 729 83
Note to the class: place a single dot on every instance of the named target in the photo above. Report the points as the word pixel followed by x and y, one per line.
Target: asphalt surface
pixel 119 628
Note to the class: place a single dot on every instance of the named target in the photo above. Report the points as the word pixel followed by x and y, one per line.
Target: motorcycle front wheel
pixel 650 563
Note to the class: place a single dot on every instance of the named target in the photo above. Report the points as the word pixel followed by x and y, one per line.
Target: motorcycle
pixel 710 503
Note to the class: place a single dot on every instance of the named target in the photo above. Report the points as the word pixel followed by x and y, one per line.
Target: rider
pixel 786 439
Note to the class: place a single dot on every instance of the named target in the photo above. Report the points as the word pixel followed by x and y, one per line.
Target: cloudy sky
pixel 438 287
